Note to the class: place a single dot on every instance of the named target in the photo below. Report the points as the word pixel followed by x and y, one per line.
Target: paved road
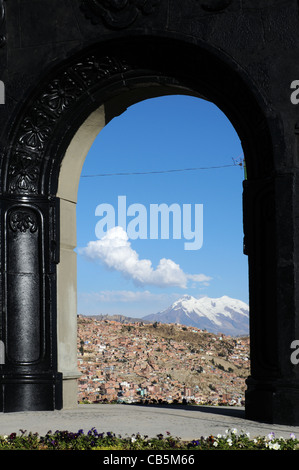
pixel 125 420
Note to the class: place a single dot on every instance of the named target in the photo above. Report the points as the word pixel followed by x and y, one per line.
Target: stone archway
pixel 78 95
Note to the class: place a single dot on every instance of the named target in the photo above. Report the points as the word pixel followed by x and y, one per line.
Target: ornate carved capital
pixel 21 221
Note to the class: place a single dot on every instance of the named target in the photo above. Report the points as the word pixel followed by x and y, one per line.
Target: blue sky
pixel 120 275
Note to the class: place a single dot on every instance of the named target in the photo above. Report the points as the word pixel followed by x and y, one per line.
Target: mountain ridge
pixel 118 318
pixel 217 315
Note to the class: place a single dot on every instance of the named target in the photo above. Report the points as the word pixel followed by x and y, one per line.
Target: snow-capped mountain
pixel 223 315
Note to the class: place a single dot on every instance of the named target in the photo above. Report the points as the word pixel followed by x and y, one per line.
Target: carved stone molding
pixel 35 130
pixel 118 14
pixel 23 173
pixel 94 69
pixel 46 111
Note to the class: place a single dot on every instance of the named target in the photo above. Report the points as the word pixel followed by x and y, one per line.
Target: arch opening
pixel 67 192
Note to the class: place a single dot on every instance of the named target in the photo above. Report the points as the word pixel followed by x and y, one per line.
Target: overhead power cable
pixel 160 171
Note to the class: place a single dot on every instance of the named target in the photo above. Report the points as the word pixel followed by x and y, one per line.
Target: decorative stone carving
pixel 118 14
pixel 60 94
pixel 93 69
pixel 22 221
pixel 35 130
pixel 47 109
pixel 23 173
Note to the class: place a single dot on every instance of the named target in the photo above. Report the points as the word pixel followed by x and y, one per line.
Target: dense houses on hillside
pixel 135 362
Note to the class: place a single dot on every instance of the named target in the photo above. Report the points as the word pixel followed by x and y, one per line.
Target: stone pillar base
pixel 32 392
pixel 273 403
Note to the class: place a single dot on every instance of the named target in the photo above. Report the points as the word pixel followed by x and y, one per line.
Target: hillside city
pixel 129 362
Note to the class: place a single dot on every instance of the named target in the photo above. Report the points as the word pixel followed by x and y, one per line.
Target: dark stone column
pixel 29 252
pixel 271 242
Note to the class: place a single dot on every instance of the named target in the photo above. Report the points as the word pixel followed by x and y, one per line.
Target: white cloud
pixel 199 278
pixel 126 296
pixel 115 252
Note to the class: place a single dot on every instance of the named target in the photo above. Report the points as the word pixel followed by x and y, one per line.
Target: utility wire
pixel 161 171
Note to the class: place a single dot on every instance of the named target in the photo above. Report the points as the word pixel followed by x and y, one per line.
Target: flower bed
pixel 92 440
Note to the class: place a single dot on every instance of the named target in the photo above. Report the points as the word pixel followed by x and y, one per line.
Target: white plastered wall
pixel 67 268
